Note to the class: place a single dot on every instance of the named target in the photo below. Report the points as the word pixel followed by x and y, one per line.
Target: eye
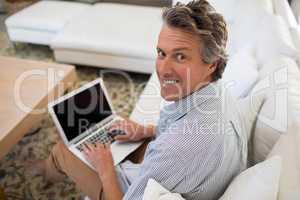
pixel 180 57
pixel 160 53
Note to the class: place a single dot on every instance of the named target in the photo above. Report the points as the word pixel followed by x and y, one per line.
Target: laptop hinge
pixel 92 129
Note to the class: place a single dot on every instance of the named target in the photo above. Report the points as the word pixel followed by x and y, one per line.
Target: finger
pixel 86 155
pixel 90 146
pixel 112 129
pixel 122 137
pixel 86 151
pixel 118 126
pixel 85 147
pixel 99 145
pixel 107 145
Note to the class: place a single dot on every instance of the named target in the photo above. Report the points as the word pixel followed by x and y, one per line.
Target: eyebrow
pixel 176 49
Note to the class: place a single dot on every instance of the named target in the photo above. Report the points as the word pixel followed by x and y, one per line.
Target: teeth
pixel 170 81
pixel 167 82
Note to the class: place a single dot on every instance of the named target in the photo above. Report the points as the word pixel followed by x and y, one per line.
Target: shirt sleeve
pixel 163 164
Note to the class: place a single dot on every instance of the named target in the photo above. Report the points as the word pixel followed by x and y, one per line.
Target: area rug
pixel 39 141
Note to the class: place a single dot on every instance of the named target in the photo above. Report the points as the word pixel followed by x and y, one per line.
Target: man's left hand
pixel 100 157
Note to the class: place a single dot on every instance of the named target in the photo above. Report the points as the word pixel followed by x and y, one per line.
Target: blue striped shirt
pixel 200 146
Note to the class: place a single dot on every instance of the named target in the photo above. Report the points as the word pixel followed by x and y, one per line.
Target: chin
pixel 170 97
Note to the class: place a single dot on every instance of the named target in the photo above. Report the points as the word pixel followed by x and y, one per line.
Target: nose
pixel 164 67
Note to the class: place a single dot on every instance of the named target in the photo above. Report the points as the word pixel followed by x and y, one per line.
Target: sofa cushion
pixel 288 148
pixel 49 16
pixel 250 107
pixel 225 8
pixel 271 67
pixel 245 7
pixel 254 31
pixel 269 46
pixel 235 9
pixel 293 79
pixel 279 84
pixel 241 33
pixel 155 191
pixel 260 182
pixel 234 78
pixel 232 10
pixel 109 28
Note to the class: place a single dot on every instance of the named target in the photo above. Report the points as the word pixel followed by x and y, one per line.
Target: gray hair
pixel 199 17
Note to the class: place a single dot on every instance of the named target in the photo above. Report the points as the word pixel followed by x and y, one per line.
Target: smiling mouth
pixel 169 82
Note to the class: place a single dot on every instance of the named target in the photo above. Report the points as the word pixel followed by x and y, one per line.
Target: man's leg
pixel 61 161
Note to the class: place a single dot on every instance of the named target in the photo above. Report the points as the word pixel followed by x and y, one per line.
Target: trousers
pixel 62 162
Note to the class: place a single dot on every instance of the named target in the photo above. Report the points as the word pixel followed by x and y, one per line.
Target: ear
pixel 212 67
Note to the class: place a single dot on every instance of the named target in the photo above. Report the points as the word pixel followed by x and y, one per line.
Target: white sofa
pixel 101 35
pixel 111 35
pixel 40 23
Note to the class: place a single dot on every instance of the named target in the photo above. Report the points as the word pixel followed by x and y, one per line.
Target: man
pixel 199 144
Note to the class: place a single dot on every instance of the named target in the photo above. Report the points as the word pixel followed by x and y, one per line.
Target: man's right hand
pixel 132 130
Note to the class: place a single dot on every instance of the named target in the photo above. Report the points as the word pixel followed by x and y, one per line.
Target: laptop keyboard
pixel 101 136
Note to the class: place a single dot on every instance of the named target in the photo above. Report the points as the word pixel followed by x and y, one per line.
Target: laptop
pixel 85 115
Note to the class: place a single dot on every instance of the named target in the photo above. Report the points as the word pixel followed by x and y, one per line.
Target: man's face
pixel 179 66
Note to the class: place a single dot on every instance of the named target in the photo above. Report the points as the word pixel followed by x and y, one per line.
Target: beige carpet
pixel 38 143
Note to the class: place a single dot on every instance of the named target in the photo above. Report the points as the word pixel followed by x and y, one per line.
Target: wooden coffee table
pixel 26 87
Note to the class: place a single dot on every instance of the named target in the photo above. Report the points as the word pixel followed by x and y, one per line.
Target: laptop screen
pixel 81 111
